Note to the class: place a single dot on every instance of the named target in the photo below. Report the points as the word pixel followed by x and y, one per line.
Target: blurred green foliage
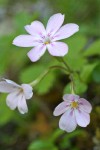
pixel 83 57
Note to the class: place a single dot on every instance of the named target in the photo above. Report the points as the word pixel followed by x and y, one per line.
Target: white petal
pixel 70 97
pixel 66 31
pixel 36 28
pixel 7 87
pixel 67 121
pixel 60 109
pixel 27 91
pixel 12 100
pixel 36 52
pixel 85 105
pixel 25 41
pixel 22 106
pixel 57 49
pixel 82 118
pixel 54 23
pixel 12 82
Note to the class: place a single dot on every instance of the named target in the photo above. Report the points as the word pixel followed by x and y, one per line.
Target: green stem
pixel 67 66
pixel 60 59
pixel 35 82
pixel 72 84
pixel 70 72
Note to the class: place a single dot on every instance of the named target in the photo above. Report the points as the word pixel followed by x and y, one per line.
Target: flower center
pixel 47 40
pixel 74 104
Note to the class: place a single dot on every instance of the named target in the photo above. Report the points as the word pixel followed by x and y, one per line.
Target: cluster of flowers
pixel 75 110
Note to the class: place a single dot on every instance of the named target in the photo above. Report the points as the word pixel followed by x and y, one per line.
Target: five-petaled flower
pixel 75 111
pixel 18 94
pixel 42 39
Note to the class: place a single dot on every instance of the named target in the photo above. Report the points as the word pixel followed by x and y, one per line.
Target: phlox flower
pixel 75 110
pixel 42 39
pixel 17 94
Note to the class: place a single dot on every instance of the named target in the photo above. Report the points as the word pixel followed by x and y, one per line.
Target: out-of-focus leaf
pixel 23 18
pixel 46 83
pixel 5 113
pixel 79 86
pixel 96 73
pixel 3 2
pixel 11 55
pixel 42 145
pixel 5 53
pixel 94 49
pixel 87 72
pixel 56 134
pixel 33 72
pixel 66 141
pixel 75 58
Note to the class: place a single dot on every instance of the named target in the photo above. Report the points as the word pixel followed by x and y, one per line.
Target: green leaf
pixel 18 56
pixel 96 73
pixel 94 49
pixel 66 140
pixel 5 52
pixel 5 113
pixel 3 2
pixel 79 86
pixel 75 58
pixel 42 145
pixel 56 134
pixel 23 18
pixel 46 83
pixel 87 72
pixel 33 72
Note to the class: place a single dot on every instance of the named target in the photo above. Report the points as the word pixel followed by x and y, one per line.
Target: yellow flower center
pixel 74 104
pixel 47 42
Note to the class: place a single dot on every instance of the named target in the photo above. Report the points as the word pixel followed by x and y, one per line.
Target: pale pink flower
pixel 17 94
pixel 42 39
pixel 75 112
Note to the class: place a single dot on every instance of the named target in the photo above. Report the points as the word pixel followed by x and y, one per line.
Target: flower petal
pixel 82 118
pixel 36 28
pixel 11 82
pixel 67 121
pixel 12 100
pixel 36 52
pixel 25 41
pixel 66 31
pixel 57 49
pixel 22 106
pixel 70 97
pixel 60 109
pixel 54 23
pixel 27 91
pixel 85 105
pixel 7 87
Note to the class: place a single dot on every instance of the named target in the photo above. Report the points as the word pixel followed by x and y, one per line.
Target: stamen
pixel 74 104
pixel 47 43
